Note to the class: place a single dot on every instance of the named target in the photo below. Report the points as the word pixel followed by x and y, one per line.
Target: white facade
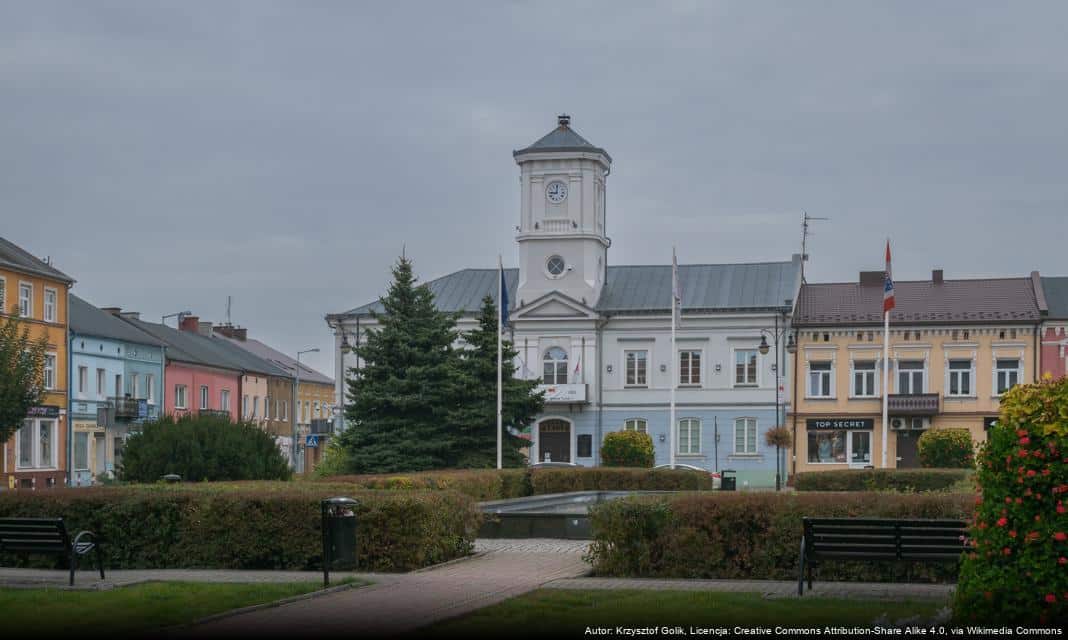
pixel 604 365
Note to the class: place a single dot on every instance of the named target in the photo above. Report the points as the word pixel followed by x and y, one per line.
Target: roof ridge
pixel 897 282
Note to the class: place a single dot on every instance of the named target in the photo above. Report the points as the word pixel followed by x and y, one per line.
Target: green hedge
pixel 749 535
pixel 251 525
pixel 628 449
pixel 903 480
pixel 947 449
pixel 491 484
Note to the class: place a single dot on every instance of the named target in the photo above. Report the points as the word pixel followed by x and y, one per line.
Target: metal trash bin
pixel 728 482
pixel 171 478
pixel 339 535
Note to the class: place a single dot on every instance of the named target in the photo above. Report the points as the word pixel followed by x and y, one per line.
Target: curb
pixel 477 554
pixel 259 607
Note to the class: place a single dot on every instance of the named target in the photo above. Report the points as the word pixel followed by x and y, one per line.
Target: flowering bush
pixel 947 449
pixel 1017 569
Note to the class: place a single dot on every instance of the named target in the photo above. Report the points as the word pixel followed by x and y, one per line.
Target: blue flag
pixel 504 300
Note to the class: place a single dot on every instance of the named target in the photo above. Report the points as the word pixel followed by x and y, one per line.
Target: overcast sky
pixel 167 155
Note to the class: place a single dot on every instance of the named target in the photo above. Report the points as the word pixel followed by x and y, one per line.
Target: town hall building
pixel 598 335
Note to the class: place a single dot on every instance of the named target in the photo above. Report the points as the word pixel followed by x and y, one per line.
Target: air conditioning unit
pixel 910 424
pixel 919 423
pixel 898 424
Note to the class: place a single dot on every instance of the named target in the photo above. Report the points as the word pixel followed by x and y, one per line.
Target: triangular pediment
pixel 554 305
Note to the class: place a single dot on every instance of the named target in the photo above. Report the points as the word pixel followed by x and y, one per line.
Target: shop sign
pixel 839 424
pixel 43 411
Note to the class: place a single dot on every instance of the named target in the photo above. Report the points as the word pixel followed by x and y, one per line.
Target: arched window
pixel 636 424
pixel 745 436
pixel 554 369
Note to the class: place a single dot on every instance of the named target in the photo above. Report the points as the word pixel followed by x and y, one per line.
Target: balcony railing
pixel 913 404
pixel 322 426
pixel 129 408
pixel 556 225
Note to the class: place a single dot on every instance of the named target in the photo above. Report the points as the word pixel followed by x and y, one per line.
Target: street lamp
pixel 777 335
pixel 296 404
pixel 179 315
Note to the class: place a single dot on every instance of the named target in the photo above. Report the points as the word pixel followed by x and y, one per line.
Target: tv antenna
pixel 805 219
pixel 228 311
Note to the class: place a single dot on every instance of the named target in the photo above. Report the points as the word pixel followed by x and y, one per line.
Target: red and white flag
pixel 888 284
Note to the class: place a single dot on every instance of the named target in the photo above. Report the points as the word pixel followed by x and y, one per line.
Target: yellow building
pixel 955 347
pixel 36 456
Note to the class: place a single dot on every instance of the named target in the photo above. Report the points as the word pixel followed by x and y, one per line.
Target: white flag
pixel 675 292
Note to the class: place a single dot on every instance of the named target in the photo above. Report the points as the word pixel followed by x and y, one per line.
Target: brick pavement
pixel 769 588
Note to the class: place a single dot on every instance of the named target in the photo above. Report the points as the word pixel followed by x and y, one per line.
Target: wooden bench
pixel 48 536
pixel 878 539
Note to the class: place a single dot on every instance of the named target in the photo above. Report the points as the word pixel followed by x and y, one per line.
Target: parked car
pixel 553 465
pixel 715 475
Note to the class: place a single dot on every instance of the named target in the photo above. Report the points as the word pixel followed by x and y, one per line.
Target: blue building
pixel 116 384
pixel 598 336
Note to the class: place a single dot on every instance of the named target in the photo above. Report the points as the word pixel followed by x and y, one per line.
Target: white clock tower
pixel 562 241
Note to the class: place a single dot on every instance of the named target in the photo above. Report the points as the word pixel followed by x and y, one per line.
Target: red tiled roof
pixel 949 302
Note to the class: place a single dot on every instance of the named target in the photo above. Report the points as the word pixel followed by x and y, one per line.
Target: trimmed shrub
pixel 947 449
pixel 480 484
pixel 250 525
pixel 628 449
pixel 748 535
pixel 901 480
pixel 551 480
pixel 1018 572
pixel 198 448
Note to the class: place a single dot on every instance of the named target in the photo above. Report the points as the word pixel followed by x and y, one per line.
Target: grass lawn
pixel 567 612
pixel 136 608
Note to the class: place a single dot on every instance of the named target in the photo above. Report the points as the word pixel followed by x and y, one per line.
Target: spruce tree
pixel 405 388
pixel 475 419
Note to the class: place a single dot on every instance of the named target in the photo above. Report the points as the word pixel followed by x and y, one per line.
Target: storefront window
pixel 26 444
pixel 860 451
pixel 81 450
pixel 827 446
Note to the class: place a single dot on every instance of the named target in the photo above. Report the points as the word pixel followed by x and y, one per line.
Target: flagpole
pixel 500 330
pixel 674 305
pixel 886 377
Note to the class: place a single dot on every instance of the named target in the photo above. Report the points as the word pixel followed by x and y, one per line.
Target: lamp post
pixel 296 405
pixel 777 335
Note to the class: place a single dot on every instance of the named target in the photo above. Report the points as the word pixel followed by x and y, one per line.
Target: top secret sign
pixel 819 424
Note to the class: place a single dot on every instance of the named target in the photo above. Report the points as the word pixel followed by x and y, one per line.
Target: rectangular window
pixel 26 444
pixel 81 451
pixel 50 371
pixel 101 382
pixel 585 446
pixel 636 362
pixel 179 396
pixel 819 380
pixel 255 405
pixel 745 436
pixel 25 300
pixel 150 382
pixel 864 379
pixel 910 377
pixel 636 424
pixel 315 410
pixel 827 446
pixel 135 385
pixel 689 436
pixel 244 406
pixel 3 295
pixel 50 305
pixel 46 437
pixel 203 397
pixel 745 367
pixel 118 385
pixel 83 379
pixel 960 377
pixel 224 399
pixel 1007 374
pixel 266 408
pixel 277 409
pixel 690 367
pixel 285 410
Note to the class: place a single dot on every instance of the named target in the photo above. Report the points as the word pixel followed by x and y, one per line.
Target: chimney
pixel 937 276
pixel 230 331
pixel 130 315
pixel 190 323
pixel 115 311
pixel 872 278
pixel 204 328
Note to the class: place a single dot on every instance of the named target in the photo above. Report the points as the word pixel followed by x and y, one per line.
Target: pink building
pixel 1055 327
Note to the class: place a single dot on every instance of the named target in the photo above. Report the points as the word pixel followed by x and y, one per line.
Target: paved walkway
pixel 770 588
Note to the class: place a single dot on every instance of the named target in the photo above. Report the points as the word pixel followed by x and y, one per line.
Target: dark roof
pixel 17 259
pixel 562 138
pixel 193 348
pixel 1056 289
pixel 279 359
pixel 716 287
pixel 87 320
pixel 919 302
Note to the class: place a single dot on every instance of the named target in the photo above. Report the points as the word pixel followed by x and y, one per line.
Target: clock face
pixel 556 192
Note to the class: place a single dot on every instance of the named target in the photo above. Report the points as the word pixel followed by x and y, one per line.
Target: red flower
pixel 1060 508
pixel 1030 473
pixel 1062 560
pixel 1050 598
pixel 1021 432
pixel 1025 440
pixel 1038 518
pixel 1003 521
pixel 1012 533
pixel 1008 500
pixel 1060 536
pixel 1020 500
pixel 1007 551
